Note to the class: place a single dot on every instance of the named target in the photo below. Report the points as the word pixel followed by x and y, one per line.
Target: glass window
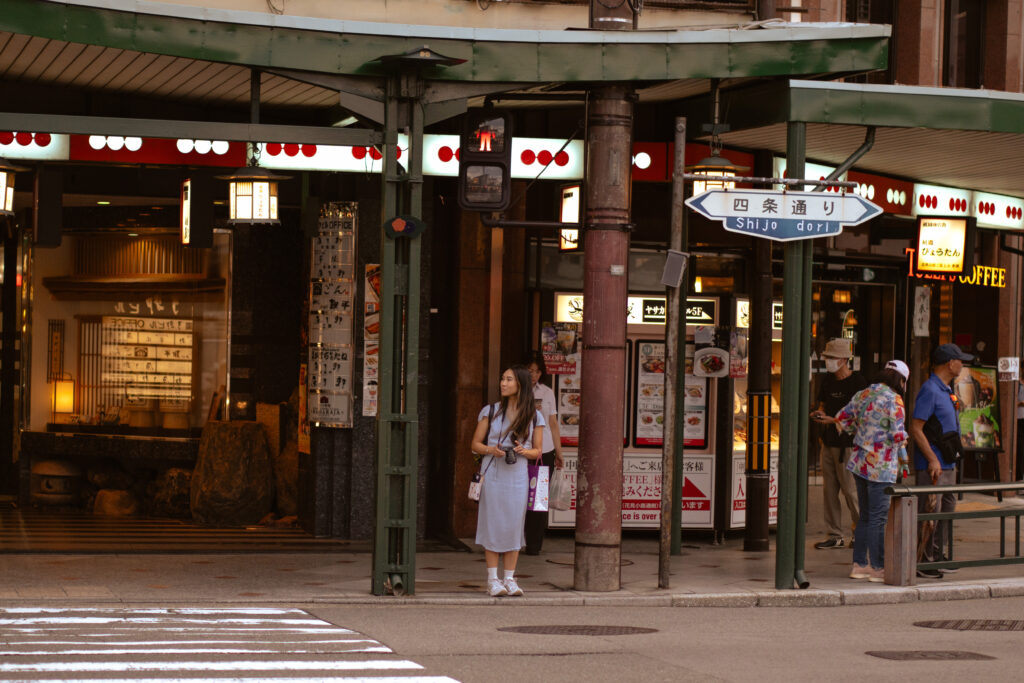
pixel 962 59
pixel 136 333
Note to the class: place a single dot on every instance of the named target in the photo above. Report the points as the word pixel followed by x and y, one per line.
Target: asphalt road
pixel 711 644
pixel 439 644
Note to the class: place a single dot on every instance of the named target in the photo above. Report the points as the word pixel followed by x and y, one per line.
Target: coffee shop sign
pixel 983 276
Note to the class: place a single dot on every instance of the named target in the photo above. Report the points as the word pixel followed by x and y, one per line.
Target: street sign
pixel 782 215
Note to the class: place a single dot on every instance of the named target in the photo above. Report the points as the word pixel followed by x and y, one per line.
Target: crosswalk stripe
pixel 318 679
pixel 218 665
pixel 228 645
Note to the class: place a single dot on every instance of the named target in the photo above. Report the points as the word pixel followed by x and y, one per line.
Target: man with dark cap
pixel 837 388
pixel 936 401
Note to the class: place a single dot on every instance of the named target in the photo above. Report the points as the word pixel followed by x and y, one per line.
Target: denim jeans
pixel 869 536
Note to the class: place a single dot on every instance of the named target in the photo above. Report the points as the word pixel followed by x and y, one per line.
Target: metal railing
pixel 1001 513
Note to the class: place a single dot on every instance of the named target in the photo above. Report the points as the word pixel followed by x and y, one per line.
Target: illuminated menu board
pixel 150 357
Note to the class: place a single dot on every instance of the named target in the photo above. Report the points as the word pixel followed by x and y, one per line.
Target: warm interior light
pixel 841 296
pixel 698 285
pixel 64 396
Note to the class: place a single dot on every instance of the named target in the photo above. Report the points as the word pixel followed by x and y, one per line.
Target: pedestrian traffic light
pixel 485 161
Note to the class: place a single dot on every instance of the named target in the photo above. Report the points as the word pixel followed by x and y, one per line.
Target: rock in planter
pixel 170 494
pixel 233 482
pixel 115 503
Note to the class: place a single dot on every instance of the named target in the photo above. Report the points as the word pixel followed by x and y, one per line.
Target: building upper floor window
pixel 962 57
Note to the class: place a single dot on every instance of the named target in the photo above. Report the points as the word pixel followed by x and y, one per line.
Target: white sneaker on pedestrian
pixel 496 588
pixel 877 575
pixel 512 587
pixel 860 571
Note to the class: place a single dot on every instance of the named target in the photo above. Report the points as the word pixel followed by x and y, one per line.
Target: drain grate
pixel 974 624
pixel 926 655
pixel 576 630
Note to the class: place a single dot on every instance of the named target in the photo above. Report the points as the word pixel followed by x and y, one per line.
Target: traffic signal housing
pixel 485 161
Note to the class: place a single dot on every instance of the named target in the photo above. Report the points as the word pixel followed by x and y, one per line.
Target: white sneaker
pixel 496 588
pixel 512 587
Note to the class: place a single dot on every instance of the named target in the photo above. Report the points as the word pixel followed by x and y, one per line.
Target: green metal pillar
pixel 394 550
pixel 794 371
pixel 803 412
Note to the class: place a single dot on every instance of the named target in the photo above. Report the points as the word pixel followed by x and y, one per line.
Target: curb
pixel 821 597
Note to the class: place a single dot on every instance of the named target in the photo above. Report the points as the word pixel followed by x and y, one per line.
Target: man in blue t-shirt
pixel 935 398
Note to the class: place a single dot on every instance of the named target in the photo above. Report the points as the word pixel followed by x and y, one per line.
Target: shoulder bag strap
pixel 490 414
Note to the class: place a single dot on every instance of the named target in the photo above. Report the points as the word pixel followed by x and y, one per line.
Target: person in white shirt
pixel 544 399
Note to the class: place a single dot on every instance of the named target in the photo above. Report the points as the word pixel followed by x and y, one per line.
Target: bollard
pixel 901 541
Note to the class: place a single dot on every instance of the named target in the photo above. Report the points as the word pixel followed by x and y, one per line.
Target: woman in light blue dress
pixel 515 437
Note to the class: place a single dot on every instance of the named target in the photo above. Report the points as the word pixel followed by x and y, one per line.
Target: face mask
pixel 833 364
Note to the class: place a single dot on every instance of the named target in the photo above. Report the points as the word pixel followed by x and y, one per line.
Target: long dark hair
pixel 892 379
pixel 525 409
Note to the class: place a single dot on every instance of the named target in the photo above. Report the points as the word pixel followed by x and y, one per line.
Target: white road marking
pixel 219 665
pixel 82 644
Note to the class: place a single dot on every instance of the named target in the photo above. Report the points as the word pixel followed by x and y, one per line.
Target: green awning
pixel 958 137
pixel 492 55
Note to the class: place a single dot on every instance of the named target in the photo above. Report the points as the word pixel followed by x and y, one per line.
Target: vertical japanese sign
pixel 331 317
pixel 371 338
pixel 738 508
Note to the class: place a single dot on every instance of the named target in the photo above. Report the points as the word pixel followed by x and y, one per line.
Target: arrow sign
pixel 782 215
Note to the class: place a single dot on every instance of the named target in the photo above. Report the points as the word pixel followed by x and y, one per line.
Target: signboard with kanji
pixel 783 215
pixel 641 492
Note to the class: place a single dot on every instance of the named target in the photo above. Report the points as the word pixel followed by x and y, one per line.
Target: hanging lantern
pixel 714 172
pixel 7 171
pixel 253 196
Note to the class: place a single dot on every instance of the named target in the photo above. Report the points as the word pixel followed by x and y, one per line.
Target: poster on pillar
pixel 371 338
pixel 329 368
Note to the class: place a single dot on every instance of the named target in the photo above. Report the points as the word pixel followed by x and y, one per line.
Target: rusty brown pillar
pixel 605 285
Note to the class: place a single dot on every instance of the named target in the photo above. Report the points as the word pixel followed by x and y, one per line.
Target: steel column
pixel 759 400
pixel 794 423
pixel 605 285
pixel 675 378
pixel 394 552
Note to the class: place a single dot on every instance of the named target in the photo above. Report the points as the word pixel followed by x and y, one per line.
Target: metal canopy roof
pixel 970 139
pixel 271 41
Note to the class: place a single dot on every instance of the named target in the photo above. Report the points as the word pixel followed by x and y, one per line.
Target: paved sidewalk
pixel 704 575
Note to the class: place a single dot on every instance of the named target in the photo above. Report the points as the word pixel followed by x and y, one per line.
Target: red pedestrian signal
pixel 485 161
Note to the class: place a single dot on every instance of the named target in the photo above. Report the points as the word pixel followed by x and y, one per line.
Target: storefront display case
pixel 644 404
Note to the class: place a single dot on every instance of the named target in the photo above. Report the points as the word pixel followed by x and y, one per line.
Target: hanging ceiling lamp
pixel 716 170
pixel 253 195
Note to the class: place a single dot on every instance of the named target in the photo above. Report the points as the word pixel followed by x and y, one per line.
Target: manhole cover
pixel 579 630
pixel 926 655
pixel 974 624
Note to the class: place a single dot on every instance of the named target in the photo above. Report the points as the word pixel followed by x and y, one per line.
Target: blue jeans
pixel 869 536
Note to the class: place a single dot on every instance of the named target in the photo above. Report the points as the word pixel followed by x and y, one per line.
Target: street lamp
pixel 715 169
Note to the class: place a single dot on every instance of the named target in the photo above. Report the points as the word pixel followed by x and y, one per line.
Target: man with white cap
pixel 837 388
pixel 936 413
